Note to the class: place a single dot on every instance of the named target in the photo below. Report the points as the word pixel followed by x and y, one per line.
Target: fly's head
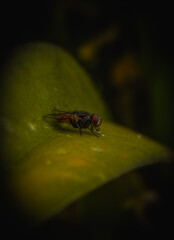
pixel 96 122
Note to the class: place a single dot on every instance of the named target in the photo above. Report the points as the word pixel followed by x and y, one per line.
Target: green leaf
pixel 38 78
pixel 49 166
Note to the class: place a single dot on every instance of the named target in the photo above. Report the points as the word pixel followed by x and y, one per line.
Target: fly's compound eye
pixel 96 120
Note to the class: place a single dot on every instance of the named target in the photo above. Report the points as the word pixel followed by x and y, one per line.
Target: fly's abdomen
pixel 64 121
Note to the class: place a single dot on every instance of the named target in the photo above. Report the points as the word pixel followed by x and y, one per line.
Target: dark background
pixel 127 48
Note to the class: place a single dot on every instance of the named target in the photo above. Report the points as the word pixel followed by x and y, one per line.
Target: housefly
pixel 78 119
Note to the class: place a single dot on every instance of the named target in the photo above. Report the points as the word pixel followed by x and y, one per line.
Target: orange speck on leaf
pixel 78 162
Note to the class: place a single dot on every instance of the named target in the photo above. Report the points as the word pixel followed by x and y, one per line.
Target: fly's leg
pixel 93 131
pixel 99 133
pixel 96 133
pixel 76 123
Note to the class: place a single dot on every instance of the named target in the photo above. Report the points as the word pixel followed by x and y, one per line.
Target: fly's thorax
pixel 85 121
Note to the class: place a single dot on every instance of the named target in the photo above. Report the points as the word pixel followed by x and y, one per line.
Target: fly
pixel 78 119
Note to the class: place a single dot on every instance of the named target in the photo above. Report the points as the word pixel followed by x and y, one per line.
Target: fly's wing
pixel 58 114
pixel 63 117
pixel 57 111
